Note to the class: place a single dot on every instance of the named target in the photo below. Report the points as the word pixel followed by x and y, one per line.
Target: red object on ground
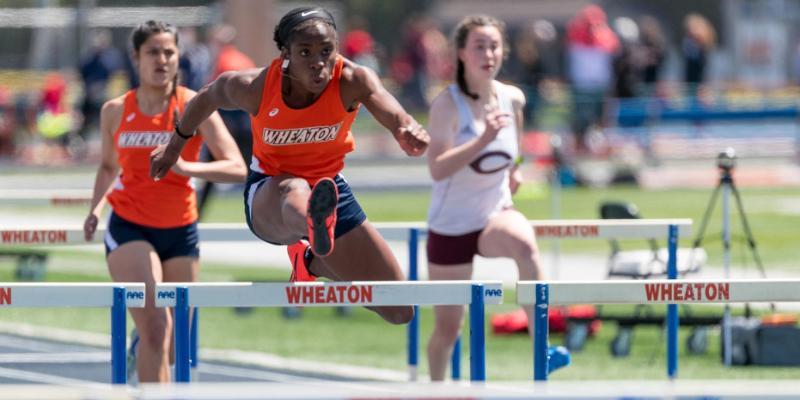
pixel 517 321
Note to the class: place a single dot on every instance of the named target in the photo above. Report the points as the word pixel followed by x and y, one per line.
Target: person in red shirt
pixel 302 107
pixel 227 58
pixel 151 235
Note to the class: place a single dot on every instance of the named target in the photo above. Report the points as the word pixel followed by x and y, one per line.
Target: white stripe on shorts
pixel 252 193
pixel 110 242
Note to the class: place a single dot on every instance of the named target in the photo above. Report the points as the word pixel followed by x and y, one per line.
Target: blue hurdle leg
pixel 672 309
pixel 194 343
pixel 455 360
pixel 413 326
pixel 540 339
pixel 477 339
pixel 118 331
pixel 182 336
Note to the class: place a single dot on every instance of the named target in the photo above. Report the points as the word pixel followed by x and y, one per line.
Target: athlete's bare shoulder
pixel 241 89
pixel 443 104
pixel 112 109
pixel 359 76
pixel 517 96
pixel 115 105
pixel 443 118
pixel 111 114
pixel 358 83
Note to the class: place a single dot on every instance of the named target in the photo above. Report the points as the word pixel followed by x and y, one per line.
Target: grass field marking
pixel 663 291
pixel 322 294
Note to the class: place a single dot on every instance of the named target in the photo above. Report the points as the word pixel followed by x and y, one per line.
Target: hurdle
pixel 541 294
pixel 409 232
pixel 117 296
pixel 554 229
pixel 49 198
pixel 183 296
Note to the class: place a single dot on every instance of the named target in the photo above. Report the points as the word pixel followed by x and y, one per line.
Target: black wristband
pixel 179 133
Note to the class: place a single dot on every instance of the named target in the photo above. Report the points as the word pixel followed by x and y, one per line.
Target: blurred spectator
pixel 654 48
pixel 359 46
pixel 439 66
pixel 796 65
pixel 130 70
pixel 628 60
pixel 226 57
pixel 424 54
pixel 528 71
pixel 591 45
pixel 7 124
pixel 699 39
pixel 96 68
pixel 195 60
pixel 54 123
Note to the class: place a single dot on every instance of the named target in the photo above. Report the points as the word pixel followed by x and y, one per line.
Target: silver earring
pixel 285 64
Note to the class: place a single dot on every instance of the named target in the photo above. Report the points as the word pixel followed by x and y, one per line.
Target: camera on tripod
pixel 726 160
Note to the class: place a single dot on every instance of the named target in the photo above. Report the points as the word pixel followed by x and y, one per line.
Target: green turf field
pixel 363 339
pixel 773 215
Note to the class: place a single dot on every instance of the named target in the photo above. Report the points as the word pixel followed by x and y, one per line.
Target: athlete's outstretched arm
pixel 444 157
pixel 411 136
pixel 227 164
pixel 110 116
pixel 239 90
pixel 518 103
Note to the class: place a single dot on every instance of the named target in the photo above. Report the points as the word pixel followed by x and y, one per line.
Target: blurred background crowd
pixel 602 78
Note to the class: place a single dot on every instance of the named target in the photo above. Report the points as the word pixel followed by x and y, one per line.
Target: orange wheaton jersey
pixel 169 203
pixel 309 143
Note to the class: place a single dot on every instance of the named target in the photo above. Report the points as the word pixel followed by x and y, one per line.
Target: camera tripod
pixel 726 185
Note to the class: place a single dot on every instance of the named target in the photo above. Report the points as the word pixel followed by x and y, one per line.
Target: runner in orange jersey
pixel 301 109
pixel 152 231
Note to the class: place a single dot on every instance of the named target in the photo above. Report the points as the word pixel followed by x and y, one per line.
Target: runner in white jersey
pixel 473 154
pixel 465 201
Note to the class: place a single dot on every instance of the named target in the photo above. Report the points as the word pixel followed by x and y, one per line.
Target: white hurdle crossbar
pixel 183 296
pixel 117 296
pixel 30 235
pixel 46 197
pixel 542 294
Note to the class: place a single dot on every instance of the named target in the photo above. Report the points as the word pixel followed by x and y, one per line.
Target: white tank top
pixel 463 202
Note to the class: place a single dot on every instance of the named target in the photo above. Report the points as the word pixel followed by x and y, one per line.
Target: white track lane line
pixel 37 377
pixel 55 358
pixel 38 345
pixel 239 372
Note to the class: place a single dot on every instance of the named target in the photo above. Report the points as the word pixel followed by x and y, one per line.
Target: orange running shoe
pixel 321 216
pixel 297 256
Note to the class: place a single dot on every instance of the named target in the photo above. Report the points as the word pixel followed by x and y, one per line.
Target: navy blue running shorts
pixel 348 212
pixel 182 241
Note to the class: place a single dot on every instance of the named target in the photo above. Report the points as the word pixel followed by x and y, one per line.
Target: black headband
pixel 298 16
